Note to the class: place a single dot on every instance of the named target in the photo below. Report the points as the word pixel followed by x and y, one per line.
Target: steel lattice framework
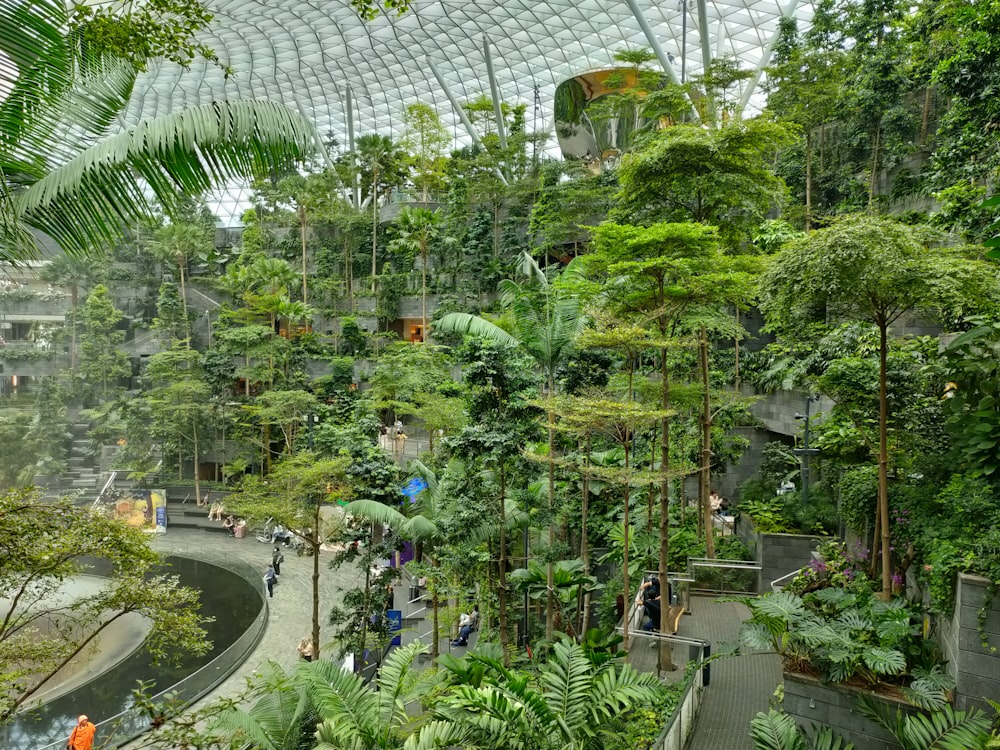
pixel 318 55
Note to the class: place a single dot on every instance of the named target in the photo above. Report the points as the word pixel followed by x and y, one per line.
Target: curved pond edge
pixel 123 728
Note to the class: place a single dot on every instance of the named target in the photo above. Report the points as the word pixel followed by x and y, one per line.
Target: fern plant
pixel 847 635
pixel 943 729
pixel 778 731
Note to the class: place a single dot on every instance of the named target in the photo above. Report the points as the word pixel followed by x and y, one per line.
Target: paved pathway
pixel 290 611
pixel 740 686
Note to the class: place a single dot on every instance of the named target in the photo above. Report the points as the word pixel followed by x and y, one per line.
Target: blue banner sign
pixel 414 487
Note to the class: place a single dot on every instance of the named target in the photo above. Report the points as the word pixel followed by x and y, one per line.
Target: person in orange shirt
pixel 82 736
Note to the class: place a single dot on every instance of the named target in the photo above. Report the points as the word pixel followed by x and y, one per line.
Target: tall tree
pixel 416 229
pixel 426 139
pixel 77 274
pixel 45 544
pixel 294 495
pixel 871 269
pixel 380 160
pixel 102 362
pixel 177 244
pixel 546 319
pixel 721 177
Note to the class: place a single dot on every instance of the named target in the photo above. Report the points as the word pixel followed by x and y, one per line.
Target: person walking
pixel 82 736
pixel 276 559
pixel 270 578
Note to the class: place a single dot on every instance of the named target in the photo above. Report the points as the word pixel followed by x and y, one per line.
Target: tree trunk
pixel 435 649
pixel 374 229
pixel 706 449
pixel 197 461
pixel 348 274
pixel 584 535
pixel 925 116
pixel 550 573
pixel 666 652
pixel 883 457
pixel 502 572
pixel 874 176
pixel 303 219
pixel 809 155
pixel 74 300
pixel 315 542
pixel 625 529
pixel 423 291
pixel 184 302
pixel 364 612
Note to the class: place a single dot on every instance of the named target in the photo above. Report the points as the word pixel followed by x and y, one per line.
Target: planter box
pixel 976 668
pixel 778 554
pixel 810 701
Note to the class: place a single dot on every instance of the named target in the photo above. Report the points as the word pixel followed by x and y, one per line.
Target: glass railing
pixel 126 726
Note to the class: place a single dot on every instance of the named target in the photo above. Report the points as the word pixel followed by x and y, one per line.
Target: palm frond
pixel 395 682
pixel 776 731
pixel 473 325
pixel 947 729
pixel 826 739
pixel 567 679
pixel 86 201
pixel 376 511
pixel 345 703
pixel 437 734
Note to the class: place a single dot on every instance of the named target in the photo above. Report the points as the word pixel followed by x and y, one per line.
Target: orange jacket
pixel 82 737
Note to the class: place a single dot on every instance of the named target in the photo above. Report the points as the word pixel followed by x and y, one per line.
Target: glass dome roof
pixel 306 53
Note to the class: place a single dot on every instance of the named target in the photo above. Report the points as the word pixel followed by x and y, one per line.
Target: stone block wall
pixel 781 554
pixel 810 702
pixel 975 667
pixel 778 554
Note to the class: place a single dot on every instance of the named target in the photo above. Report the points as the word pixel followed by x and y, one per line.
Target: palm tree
pixel 546 322
pixel 69 170
pixel 378 155
pixel 74 273
pixel 355 714
pixel 177 243
pixel 415 230
pixel 574 703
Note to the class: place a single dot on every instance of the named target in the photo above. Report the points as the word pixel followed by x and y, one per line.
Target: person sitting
pixel 230 525
pixel 649 599
pixel 240 530
pixel 280 535
pixel 215 512
pixel 466 624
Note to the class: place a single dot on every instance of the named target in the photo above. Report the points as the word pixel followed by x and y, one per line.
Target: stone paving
pixel 290 610
pixel 740 686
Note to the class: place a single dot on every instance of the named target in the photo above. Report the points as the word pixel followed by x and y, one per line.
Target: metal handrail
pixel 248 640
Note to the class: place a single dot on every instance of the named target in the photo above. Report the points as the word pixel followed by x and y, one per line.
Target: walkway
pixel 740 686
pixel 290 616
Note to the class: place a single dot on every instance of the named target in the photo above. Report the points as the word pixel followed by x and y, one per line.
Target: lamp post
pixel 805 451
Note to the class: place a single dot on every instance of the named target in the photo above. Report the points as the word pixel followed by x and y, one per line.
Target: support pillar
pixel 466 122
pixel 765 60
pixel 657 48
pixel 351 148
pixel 495 91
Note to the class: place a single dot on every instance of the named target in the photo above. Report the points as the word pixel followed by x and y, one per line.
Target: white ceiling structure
pixel 307 53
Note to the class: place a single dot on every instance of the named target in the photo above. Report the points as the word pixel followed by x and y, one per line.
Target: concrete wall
pixel 975 668
pixel 778 554
pixel 810 702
